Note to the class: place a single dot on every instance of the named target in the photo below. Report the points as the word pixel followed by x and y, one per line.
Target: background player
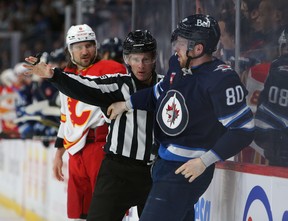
pixel 271 116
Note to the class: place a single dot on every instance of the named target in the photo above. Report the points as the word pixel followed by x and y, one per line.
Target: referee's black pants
pixel 121 183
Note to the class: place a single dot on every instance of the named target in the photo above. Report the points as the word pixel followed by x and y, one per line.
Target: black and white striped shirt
pixel 130 134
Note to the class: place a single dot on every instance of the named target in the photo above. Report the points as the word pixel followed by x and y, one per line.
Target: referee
pixel 124 178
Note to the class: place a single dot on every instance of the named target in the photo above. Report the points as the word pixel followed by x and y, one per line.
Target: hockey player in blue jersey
pixel 271 118
pixel 201 117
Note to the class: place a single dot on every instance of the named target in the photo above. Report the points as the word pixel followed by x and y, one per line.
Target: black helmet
pixel 199 29
pixel 138 42
pixel 113 46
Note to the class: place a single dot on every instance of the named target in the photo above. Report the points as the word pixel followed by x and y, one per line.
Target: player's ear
pixel 198 49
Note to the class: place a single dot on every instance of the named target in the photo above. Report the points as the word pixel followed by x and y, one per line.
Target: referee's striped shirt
pixel 130 134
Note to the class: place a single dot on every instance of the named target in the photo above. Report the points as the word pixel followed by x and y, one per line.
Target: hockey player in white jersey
pixel 82 132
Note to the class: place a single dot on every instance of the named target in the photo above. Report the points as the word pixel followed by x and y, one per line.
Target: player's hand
pixel 58 164
pixel 41 69
pixel 115 109
pixel 192 169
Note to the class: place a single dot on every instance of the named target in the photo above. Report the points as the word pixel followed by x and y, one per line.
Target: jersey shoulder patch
pixel 223 67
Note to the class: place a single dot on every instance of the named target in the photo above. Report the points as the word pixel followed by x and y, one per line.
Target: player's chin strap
pixel 187 70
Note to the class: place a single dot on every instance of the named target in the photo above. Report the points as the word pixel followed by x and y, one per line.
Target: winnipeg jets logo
pixel 223 67
pixel 172 111
pixel 172 115
pixel 283 68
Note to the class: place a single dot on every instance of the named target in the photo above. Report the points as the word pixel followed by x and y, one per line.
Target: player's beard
pixel 85 62
pixel 182 61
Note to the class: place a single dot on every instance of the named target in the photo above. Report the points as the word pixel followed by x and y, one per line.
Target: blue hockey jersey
pixel 198 110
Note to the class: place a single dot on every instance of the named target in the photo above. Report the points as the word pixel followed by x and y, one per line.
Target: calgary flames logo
pixel 77 119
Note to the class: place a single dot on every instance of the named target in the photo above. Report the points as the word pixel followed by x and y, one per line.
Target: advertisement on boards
pixel 244 196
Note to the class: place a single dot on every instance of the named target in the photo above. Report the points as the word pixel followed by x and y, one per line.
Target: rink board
pixel 238 192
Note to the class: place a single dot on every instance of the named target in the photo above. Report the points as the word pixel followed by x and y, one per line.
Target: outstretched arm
pixel 99 91
pixel 41 69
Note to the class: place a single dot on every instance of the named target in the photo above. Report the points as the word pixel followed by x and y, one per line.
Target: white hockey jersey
pixel 77 118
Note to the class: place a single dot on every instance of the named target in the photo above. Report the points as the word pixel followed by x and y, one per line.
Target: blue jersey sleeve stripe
pixel 189 148
pixel 174 153
pixel 228 120
pixel 249 124
pixel 240 118
pixel 241 109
